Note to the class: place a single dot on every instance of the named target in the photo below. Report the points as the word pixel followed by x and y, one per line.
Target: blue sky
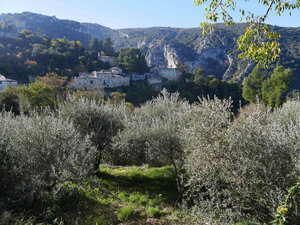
pixel 131 13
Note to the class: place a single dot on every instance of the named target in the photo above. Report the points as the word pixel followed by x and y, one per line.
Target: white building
pixel 110 78
pixel 6 82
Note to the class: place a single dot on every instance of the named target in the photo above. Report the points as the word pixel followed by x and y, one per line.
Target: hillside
pixel 216 53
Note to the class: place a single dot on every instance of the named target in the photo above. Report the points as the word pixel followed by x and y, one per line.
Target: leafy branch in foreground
pixel 289 207
pixel 258 42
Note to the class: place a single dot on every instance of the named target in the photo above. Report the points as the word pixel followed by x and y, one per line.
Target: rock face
pixel 165 47
pixel 211 58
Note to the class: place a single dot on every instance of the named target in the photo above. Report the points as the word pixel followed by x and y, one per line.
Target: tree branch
pixel 265 16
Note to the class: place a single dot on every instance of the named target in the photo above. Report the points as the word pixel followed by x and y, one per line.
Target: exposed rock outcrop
pixel 216 52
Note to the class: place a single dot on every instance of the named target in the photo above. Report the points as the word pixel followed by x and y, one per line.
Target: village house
pixel 114 77
pixel 110 78
pixel 6 82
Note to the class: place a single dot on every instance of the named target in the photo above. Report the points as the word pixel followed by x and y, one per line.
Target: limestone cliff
pixel 210 53
pixel 216 52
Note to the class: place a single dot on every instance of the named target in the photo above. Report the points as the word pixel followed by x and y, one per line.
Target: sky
pixel 133 13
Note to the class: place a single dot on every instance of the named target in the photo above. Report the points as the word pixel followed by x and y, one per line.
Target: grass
pixel 119 195
pixel 141 193
pixel 156 183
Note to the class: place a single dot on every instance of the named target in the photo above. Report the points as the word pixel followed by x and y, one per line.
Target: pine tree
pixel 108 47
pixel 276 87
pixel 132 61
pixel 252 89
pixel 95 45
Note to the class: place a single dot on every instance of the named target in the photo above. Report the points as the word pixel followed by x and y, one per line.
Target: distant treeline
pixel 33 54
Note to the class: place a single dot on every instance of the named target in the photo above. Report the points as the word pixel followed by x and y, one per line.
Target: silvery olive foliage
pixel 241 169
pixel 288 119
pixel 201 139
pixel 152 134
pixel 98 119
pixel 228 169
pixel 40 152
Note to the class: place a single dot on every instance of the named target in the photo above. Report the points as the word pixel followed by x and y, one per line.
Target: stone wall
pixel 168 73
pixel 113 61
pixel 137 77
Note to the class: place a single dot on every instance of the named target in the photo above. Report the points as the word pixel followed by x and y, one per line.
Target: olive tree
pixel 240 169
pixel 40 152
pixel 152 134
pixel 100 120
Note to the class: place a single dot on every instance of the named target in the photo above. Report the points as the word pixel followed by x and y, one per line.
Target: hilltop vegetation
pixel 30 54
pixel 187 45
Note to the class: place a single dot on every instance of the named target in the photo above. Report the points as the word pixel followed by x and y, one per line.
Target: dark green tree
pixel 9 100
pixel 207 86
pixel 60 84
pixel 198 72
pixel 252 89
pixel 275 88
pixel 132 61
pixel 95 45
pixel 37 96
pixel 108 48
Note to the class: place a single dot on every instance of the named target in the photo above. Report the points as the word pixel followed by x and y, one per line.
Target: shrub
pixel 241 169
pixel 100 120
pixel 38 153
pixel 37 96
pixel 152 134
pixel 9 100
pixel 287 212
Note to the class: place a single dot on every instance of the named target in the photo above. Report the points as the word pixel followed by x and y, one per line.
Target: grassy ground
pixel 117 195
pixel 121 195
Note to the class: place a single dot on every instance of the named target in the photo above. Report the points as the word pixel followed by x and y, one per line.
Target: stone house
pixel 110 78
pixel 6 82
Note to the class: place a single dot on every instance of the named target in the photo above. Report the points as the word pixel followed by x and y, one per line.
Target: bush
pixel 241 169
pixel 38 153
pixel 100 120
pixel 37 96
pixel 152 135
pixel 9 100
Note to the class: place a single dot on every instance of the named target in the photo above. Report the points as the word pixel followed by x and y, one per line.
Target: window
pixel 91 81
